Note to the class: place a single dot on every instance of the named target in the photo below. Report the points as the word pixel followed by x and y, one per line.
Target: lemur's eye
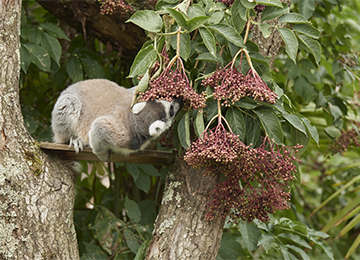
pixel 171 111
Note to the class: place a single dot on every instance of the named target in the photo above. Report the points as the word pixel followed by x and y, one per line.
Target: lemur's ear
pixel 138 107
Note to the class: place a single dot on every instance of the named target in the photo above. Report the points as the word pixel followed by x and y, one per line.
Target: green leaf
pixel 304 89
pixel 133 170
pixel 148 20
pixel 196 22
pixel 178 16
pixel 252 131
pixel 312 129
pixel 295 239
pixel 266 240
pixel 217 6
pixel 143 182
pixel 353 247
pixel 270 3
pixel 35 35
pixel 148 212
pixel 149 169
pixel 291 43
pixel 38 55
pixel 140 255
pixel 307 8
pixel 271 124
pixel 312 45
pixel 184 130
pixel 131 241
pixel 284 252
pixel 248 4
pixel 299 251
pixel 209 57
pixel 250 235
pixel 229 33
pixel 54 29
pixel 92 67
pixel 298 137
pixel 74 69
pixel 132 209
pixel 236 121
pixel 238 23
pixel 142 61
pixel 295 122
pixel 332 131
pixel 216 17
pixel 230 248
pixel 293 18
pixel 264 27
pixel 195 10
pixel 25 58
pixel 199 123
pixel 238 10
pixel 52 45
pixel 327 249
pixel 335 111
pixel 308 30
pixel 144 82
pixel 209 40
pixel 185 45
pixel 273 12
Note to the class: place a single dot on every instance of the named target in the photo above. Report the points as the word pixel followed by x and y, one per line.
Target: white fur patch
pixel 156 128
pixel 138 107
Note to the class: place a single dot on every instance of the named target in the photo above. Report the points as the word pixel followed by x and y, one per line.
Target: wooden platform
pixel 64 152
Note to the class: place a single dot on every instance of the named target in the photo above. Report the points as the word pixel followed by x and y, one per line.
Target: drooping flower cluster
pixel 255 179
pixel 114 7
pixel 174 84
pixel 259 8
pixel 348 139
pixel 231 85
pixel 228 3
pixel 214 149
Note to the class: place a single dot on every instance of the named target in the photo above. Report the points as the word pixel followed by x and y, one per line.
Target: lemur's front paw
pixel 78 144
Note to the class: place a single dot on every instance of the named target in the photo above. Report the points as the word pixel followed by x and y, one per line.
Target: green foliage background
pixel 317 76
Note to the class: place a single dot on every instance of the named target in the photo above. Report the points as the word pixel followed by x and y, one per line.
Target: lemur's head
pixel 158 115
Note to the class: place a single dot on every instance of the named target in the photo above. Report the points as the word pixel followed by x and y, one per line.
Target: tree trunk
pixel 181 232
pixel 36 191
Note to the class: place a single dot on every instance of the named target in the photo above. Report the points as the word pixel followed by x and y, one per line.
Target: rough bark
pixel 181 232
pixel 110 29
pixel 270 46
pixel 36 191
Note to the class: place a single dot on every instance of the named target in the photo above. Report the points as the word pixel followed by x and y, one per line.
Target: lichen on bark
pixel 36 190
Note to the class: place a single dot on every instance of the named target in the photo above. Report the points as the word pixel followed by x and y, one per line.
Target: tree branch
pixel 85 17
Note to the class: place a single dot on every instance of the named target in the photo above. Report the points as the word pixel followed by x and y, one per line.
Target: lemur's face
pixel 161 112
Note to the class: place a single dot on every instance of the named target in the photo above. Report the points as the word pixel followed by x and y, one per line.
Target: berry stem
pixel 247 30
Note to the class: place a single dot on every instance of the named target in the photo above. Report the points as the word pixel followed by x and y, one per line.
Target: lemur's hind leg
pixel 106 133
pixel 65 121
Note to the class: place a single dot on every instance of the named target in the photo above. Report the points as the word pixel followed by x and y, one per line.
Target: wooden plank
pixel 66 152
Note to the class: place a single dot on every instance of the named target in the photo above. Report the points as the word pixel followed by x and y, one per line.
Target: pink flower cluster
pixel 259 8
pixel 256 180
pixel 114 7
pixel 231 85
pixel 174 84
pixel 348 139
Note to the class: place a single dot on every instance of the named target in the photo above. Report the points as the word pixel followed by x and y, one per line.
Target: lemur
pixel 98 113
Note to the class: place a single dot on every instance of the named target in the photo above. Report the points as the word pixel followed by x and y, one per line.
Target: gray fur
pixel 97 113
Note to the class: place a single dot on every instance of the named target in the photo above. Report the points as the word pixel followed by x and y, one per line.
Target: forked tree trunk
pixel 36 191
pixel 181 232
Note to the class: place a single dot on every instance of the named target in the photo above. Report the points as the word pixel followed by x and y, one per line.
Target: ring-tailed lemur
pixel 98 113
